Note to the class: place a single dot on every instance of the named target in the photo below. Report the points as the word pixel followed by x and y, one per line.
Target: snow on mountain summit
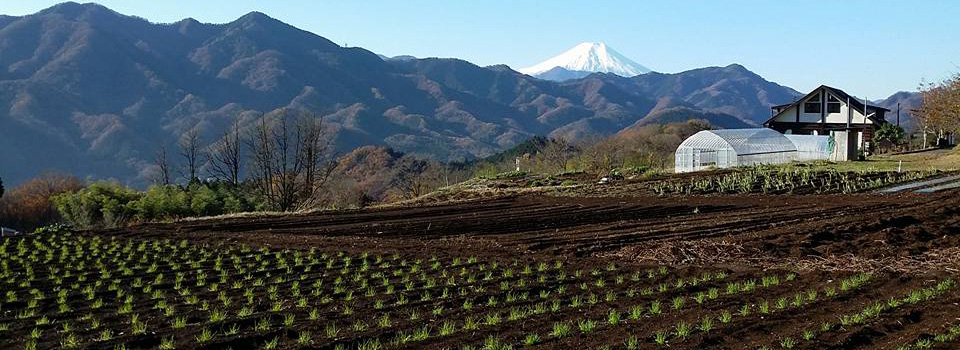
pixel 589 57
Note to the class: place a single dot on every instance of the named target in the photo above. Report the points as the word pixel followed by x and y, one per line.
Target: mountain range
pixel 89 91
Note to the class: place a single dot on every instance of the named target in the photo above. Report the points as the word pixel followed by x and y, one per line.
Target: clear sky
pixel 869 48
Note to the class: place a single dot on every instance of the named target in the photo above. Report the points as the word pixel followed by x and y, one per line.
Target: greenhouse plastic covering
pixel 733 147
pixel 754 141
pixel 810 147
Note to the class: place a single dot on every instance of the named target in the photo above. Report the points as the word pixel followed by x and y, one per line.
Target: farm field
pixel 814 271
pixel 99 292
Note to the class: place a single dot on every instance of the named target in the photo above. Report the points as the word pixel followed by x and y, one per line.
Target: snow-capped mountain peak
pixel 589 57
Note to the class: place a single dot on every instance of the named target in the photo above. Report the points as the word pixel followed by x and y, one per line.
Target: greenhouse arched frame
pixel 736 147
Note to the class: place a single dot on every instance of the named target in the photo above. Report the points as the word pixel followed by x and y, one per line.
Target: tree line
pixel 285 161
pixel 939 115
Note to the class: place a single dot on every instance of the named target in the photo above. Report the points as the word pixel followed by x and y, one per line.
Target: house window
pixel 833 107
pixel 812 105
pixel 833 104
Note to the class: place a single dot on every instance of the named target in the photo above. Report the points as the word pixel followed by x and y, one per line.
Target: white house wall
pixel 812 117
pixel 808 117
pixel 841 117
pixel 789 115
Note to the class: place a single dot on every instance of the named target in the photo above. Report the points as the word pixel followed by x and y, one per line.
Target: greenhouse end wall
pixel 812 147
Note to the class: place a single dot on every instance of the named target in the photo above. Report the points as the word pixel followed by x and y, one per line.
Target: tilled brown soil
pixel 679 229
pixel 906 242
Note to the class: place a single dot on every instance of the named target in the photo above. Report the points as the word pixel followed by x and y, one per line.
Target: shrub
pixel 162 202
pixel 510 175
pixel 486 170
pixel 204 201
pixel 101 204
pixel 110 204
pixel 29 205
pixel 628 171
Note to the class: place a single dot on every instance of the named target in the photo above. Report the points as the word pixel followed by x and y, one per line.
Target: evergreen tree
pixel 890 132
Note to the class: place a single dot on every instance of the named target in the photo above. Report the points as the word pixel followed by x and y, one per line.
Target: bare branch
pixel 225 158
pixel 163 167
pixel 291 161
pixel 190 152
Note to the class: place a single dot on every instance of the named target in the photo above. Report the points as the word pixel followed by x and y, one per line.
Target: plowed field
pixel 681 272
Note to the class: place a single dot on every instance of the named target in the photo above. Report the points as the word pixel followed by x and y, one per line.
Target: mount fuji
pixel 584 59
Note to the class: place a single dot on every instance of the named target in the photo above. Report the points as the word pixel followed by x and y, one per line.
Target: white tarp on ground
pixel 734 147
pixel 4 232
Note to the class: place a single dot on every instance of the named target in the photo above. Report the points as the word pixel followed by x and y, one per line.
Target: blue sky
pixel 868 48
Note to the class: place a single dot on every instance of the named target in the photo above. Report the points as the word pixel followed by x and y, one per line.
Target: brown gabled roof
pixel 854 102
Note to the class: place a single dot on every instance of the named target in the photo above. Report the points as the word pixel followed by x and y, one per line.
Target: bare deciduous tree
pixel 190 151
pixel 314 156
pixel 556 153
pixel 415 177
pixel 225 157
pixel 289 162
pixel 163 167
pixel 598 155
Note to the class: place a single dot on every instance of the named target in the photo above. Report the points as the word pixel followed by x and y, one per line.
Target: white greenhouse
pixel 735 147
pixel 812 147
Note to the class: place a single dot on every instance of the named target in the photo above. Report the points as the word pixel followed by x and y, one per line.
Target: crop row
pixel 949 335
pixel 782 179
pixel 870 312
pixel 69 291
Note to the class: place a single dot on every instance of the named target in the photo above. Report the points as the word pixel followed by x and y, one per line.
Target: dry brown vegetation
pixel 940 113
pixel 29 205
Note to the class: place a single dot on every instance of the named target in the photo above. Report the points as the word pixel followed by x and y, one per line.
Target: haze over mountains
pixel 88 91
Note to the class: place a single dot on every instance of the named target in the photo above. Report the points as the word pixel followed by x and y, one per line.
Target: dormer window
pixel 812 105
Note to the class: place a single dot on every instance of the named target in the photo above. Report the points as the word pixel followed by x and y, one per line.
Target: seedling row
pixel 787 180
pixel 83 292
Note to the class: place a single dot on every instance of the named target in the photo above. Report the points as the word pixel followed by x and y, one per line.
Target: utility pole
pixel 898 113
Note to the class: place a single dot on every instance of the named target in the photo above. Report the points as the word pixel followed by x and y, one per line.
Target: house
pixel 831 111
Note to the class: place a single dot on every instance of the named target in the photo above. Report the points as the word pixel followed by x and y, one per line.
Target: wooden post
pixel 849 113
pixel 898 113
pixel 863 135
pixel 823 110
